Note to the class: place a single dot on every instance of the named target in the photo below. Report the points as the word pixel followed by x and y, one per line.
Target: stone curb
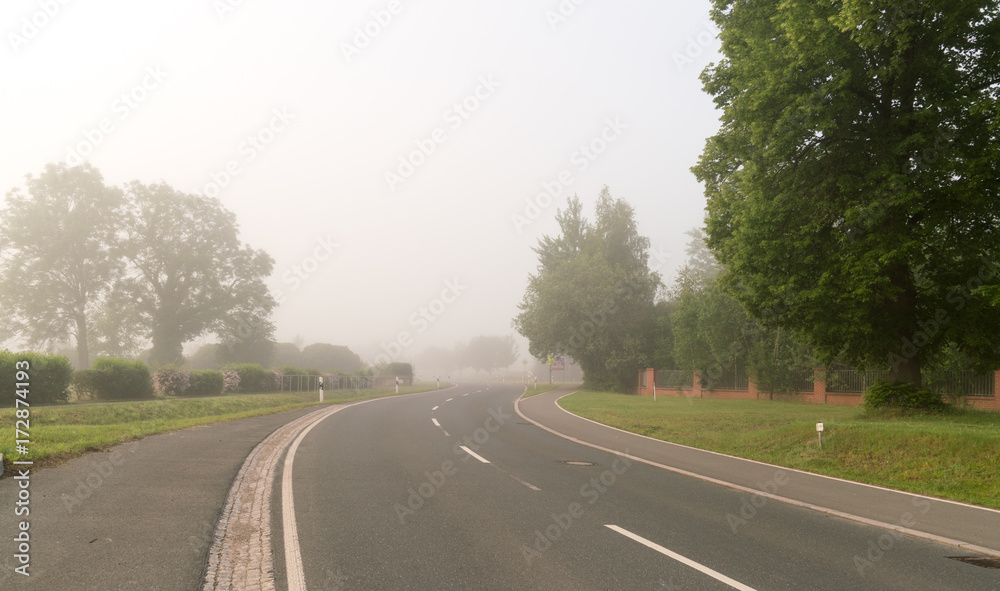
pixel 240 557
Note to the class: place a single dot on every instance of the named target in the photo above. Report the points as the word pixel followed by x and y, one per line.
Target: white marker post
pixel 439 382
pixel 397 384
pixel 819 431
pixel 321 388
pixel 654 389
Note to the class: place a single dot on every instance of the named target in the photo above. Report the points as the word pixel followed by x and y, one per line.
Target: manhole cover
pixel 577 463
pixel 983 561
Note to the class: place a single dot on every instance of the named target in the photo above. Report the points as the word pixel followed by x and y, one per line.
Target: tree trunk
pixel 82 352
pixel 906 370
pixel 167 347
pixel 906 360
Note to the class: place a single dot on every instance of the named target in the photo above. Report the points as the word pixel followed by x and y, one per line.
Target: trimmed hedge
pixel 291 370
pixel 205 382
pixel 113 378
pixel 398 369
pixel 171 381
pixel 253 377
pixel 49 377
pixel 901 395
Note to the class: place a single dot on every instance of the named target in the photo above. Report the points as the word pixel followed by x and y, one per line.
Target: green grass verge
pixel 61 432
pixel 952 456
pixel 543 388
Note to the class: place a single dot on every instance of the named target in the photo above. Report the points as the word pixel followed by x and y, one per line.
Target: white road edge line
pixel 755 491
pixel 293 555
pixel 708 451
pixel 474 454
pixel 700 567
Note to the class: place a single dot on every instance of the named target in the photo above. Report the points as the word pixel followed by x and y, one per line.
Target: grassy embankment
pixel 953 456
pixel 541 389
pixel 63 431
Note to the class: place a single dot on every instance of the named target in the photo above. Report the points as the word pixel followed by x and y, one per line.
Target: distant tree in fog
pixel 192 275
pixel 486 353
pixel 327 357
pixel 57 256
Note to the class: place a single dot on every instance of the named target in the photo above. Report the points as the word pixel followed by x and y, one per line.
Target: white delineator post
pixel 321 388
pixel 819 431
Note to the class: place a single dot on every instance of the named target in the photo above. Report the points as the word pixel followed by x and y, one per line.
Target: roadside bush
pixel 171 381
pixel 230 380
pixel 403 371
pixel 205 383
pixel 901 395
pixel 252 377
pixel 113 378
pixel 49 377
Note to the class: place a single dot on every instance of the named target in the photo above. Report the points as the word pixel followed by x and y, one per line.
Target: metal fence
pixel 299 384
pixel 805 379
pixel 853 380
pixel 734 378
pixel 674 378
pixel 310 383
pixel 960 383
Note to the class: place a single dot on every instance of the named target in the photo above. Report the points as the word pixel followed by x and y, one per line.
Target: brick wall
pixel 818 395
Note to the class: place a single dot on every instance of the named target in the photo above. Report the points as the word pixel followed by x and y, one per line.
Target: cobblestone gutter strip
pixel 240 558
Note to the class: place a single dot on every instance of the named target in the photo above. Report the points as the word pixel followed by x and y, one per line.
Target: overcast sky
pixel 316 110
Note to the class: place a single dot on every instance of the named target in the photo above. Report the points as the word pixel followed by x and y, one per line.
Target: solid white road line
pixel 475 455
pixel 715 575
pixel 293 556
pixel 755 491
pixel 293 553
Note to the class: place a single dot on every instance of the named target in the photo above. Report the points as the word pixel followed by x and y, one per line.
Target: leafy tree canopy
pixel 593 295
pixel 57 256
pixel 193 276
pixel 852 189
pixel 327 357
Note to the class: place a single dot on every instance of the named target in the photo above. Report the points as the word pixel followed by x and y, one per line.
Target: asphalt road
pixel 386 498
pixel 139 516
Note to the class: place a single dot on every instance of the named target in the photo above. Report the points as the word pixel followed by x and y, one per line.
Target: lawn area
pixel 952 456
pixel 541 389
pixel 63 431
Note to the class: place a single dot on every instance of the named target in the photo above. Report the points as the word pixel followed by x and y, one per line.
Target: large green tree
pixel 852 189
pixel 593 295
pixel 714 334
pixel 327 357
pixel 489 352
pixel 57 256
pixel 191 273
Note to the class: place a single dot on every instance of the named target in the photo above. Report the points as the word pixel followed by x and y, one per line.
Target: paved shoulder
pixel 977 528
pixel 139 516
